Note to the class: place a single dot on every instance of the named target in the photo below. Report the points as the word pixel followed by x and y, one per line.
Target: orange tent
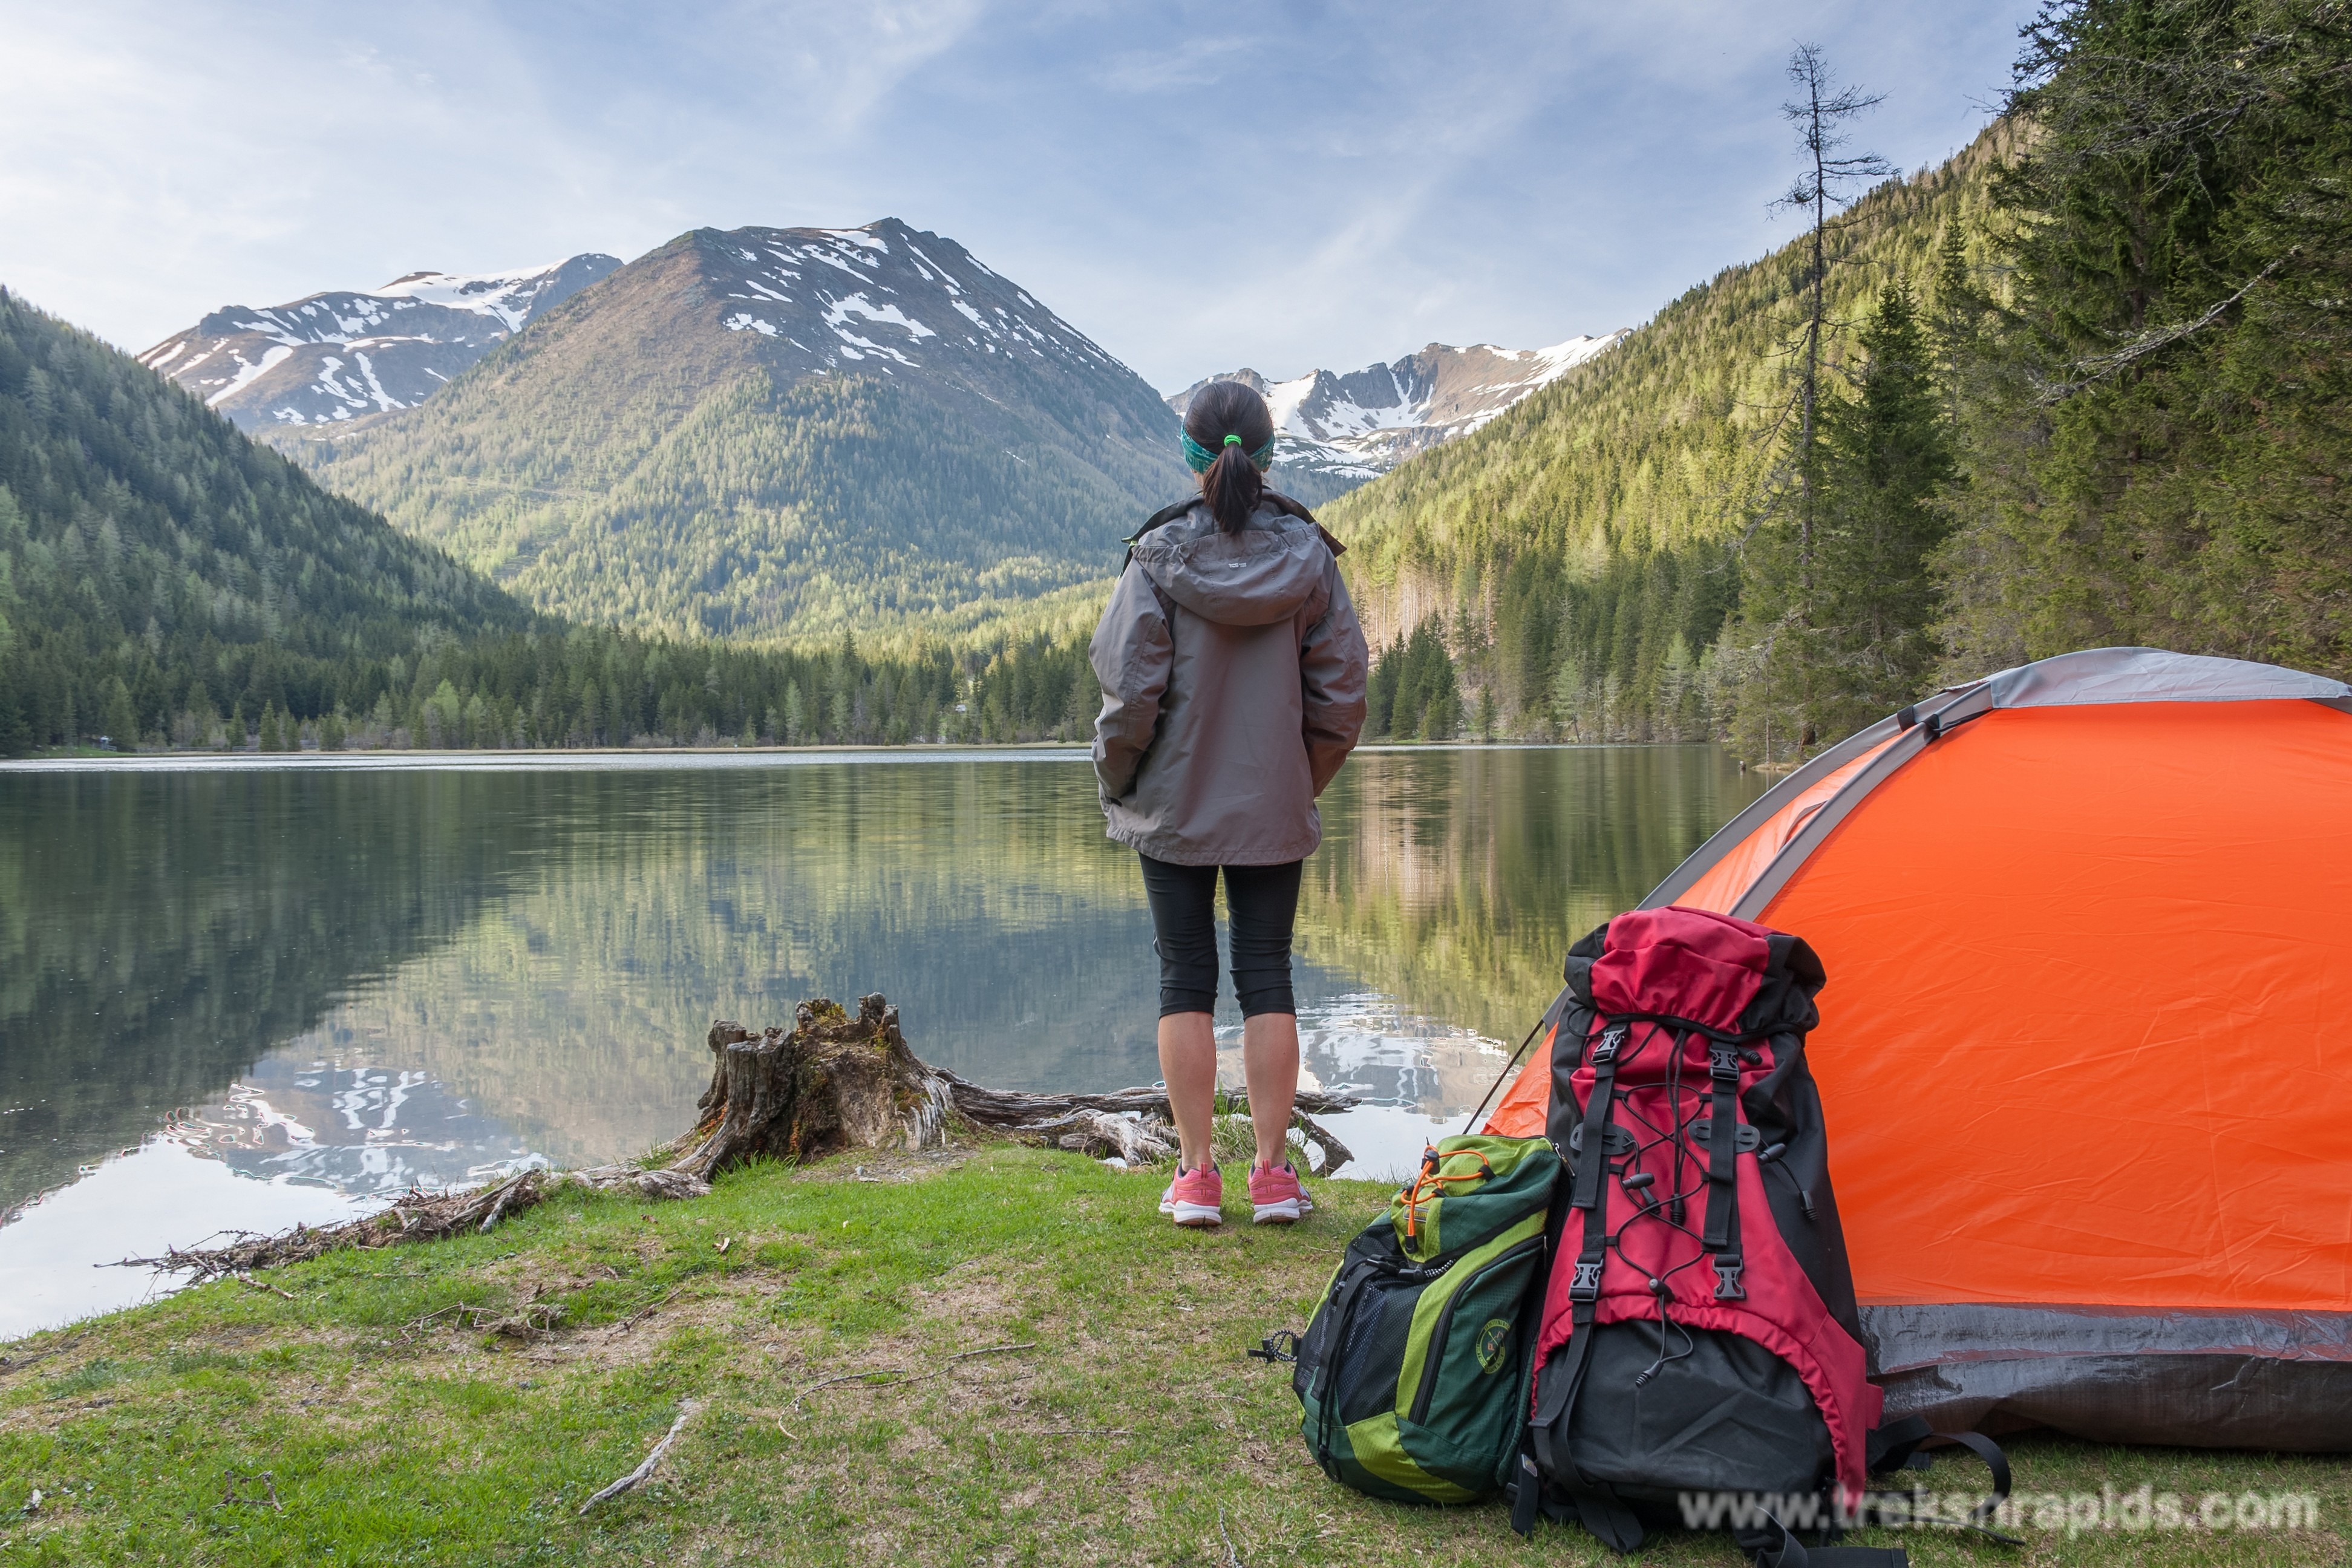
pixel 2086 1046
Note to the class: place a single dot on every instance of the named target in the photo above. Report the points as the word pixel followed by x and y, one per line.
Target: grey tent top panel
pixel 2152 675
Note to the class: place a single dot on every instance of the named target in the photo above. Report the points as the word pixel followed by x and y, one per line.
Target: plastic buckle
pixel 1612 1041
pixel 1586 1286
pixel 1722 1065
pixel 1727 1269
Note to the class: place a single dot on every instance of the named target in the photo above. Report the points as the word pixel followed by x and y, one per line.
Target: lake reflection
pixel 356 979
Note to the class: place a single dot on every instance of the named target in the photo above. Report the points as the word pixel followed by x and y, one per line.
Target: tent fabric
pixel 1721 885
pixel 2152 675
pixel 2088 958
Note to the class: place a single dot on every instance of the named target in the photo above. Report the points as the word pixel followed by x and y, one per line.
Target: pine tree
pixel 120 718
pixel 2156 442
pixel 1888 453
pixel 15 734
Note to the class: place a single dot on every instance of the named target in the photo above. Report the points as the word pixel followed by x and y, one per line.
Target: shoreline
pixel 619 758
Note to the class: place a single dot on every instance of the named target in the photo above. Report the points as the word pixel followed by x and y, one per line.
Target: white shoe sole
pixel 1287 1212
pixel 1194 1214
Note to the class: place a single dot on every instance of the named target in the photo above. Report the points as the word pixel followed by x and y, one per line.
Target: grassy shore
pixel 1112 1417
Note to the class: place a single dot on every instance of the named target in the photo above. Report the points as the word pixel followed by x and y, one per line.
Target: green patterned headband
pixel 1198 457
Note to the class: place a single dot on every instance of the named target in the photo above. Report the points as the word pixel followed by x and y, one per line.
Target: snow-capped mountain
pixel 1338 431
pixel 889 299
pixel 337 356
pixel 777 432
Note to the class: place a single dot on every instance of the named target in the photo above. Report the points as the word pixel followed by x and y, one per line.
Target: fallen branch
pixel 1335 1153
pixel 248 1282
pixel 636 1477
pixel 895 1376
pixel 418 1215
pixel 642 1313
pixel 1232 1558
pixel 505 1193
pixel 898 1378
pixel 2101 366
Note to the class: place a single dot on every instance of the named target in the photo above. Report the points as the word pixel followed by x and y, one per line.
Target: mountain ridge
pixel 778 433
pixel 343 354
pixel 1335 431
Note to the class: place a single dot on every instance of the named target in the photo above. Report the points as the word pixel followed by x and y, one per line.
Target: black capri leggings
pixel 1262 901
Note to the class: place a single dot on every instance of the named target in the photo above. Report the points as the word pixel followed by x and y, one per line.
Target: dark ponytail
pixel 1230 426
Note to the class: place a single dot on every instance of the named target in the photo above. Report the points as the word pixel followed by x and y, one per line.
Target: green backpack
pixel 1414 1370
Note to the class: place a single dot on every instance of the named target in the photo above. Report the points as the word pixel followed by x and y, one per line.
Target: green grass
pixel 394 1429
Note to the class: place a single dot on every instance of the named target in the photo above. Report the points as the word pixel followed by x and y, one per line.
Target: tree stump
pixel 834 1082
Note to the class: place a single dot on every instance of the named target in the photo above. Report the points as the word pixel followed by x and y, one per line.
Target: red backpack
pixel 1700 1358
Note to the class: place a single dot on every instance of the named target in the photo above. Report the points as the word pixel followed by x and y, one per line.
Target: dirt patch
pixel 886 1166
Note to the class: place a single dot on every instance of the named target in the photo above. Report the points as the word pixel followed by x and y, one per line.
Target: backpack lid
pixel 1730 976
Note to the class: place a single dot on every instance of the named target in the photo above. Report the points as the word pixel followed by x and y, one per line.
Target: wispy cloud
pixel 1193 183
pixel 1194 62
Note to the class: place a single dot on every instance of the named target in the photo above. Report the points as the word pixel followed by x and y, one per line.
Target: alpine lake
pixel 240 994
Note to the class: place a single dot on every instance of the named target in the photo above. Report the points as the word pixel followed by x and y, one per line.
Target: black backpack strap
pixel 1788 1552
pixel 1288 507
pixel 1895 1446
pixel 1166 514
pixel 1722 1238
pixel 1280 503
pixel 1596 1506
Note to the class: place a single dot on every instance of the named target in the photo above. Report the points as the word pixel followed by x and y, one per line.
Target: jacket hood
pixel 1253 578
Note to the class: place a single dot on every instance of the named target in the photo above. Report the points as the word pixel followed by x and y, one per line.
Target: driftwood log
pixel 419 1216
pixel 830 1083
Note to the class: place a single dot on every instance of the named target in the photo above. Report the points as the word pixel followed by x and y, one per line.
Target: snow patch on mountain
pixel 335 356
pixel 845 285
pixel 509 298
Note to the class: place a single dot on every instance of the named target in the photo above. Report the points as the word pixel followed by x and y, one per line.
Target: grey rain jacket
pixel 1233 676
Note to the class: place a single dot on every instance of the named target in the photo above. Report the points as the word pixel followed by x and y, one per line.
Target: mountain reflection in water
pixel 354 979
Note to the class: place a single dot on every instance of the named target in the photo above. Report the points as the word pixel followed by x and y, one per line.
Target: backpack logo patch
pixel 1494 1344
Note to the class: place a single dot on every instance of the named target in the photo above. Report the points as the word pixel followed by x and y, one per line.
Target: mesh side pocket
pixel 1373 1356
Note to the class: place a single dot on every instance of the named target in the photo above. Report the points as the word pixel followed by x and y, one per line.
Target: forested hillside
pixel 153 561
pixel 1581 551
pixel 2153 410
pixel 163 579
pixel 2089 383
pixel 781 434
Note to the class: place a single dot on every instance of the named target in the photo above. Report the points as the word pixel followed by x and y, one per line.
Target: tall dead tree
pixel 1828 181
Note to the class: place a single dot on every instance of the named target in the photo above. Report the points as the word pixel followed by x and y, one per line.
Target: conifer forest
pixel 2088 383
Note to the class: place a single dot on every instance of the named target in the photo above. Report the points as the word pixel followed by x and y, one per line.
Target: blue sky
pixel 1196 186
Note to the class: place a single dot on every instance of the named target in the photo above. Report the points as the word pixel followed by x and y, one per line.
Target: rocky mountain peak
pixel 336 356
pixel 1337 430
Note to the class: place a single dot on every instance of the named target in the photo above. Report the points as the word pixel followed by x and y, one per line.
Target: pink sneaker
pixel 1195 1197
pixel 1277 1195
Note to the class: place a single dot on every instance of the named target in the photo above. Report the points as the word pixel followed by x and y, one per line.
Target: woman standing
pixel 1233 676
